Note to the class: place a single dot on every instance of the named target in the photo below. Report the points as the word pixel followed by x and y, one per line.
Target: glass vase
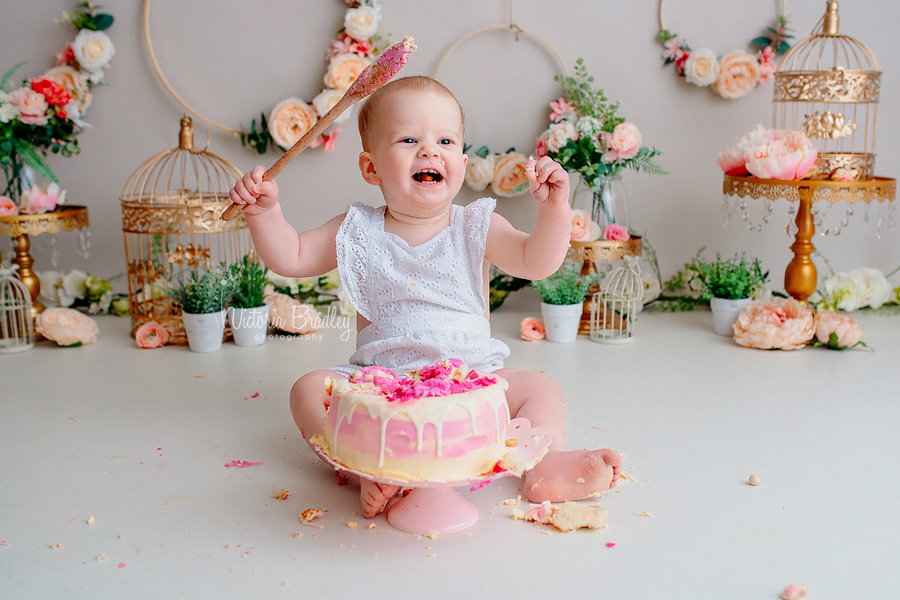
pixel 607 202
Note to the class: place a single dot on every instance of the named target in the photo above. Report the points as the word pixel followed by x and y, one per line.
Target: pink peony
pixel 36 201
pixel 732 160
pixel 67 327
pixel 616 233
pixel 782 324
pixel 32 106
pixel 583 228
pixel 624 142
pixel 781 154
pixel 151 335
pixel 8 208
pixel 532 329
pixel 845 328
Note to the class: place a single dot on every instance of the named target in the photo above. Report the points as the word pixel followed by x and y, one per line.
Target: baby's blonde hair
pixel 416 83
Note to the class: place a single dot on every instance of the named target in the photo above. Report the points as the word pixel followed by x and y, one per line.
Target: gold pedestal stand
pixel 20 227
pixel 800 275
pixel 591 255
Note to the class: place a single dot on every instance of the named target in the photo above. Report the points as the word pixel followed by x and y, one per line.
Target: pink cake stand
pixel 435 505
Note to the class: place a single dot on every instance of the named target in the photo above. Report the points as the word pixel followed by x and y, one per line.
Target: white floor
pixel 140 439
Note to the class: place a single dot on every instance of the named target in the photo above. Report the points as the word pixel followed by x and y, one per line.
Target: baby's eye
pixel 408 140
pixel 445 142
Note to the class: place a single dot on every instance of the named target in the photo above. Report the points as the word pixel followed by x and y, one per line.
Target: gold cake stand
pixel 19 227
pixel 592 254
pixel 800 275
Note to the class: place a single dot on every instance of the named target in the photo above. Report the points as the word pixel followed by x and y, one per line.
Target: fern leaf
pixel 9 74
pixel 34 160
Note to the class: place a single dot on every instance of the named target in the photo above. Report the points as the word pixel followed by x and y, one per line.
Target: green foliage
pixel 731 279
pixel 259 140
pixel 502 285
pixel 251 283
pixel 9 74
pixel 566 286
pixel 208 293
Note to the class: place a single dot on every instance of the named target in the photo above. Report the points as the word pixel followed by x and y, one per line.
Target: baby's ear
pixel 367 168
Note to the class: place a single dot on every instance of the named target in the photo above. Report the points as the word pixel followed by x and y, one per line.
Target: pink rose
pixel 782 324
pixel 532 329
pixel 732 160
pixel 541 148
pixel 32 106
pixel 766 64
pixel 781 154
pixel 616 233
pixel 624 142
pixel 845 328
pixel 738 74
pixel 36 201
pixel 67 326
pixel 584 229
pixel 151 335
pixel 8 208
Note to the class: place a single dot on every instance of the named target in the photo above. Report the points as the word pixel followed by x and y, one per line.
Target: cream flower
pixel 509 175
pixel 289 120
pixel 874 289
pixel 783 324
pixel 583 228
pixel 8 112
pixel 325 101
pixel 362 23
pixel 738 74
pixel 73 286
pixel 701 67
pixel 845 328
pixel 93 49
pixel 842 293
pixel 67 327
pixel 479 172
pixel 559 134
pixel 343 70
pixel 288 314
pixel 346 307
pixel 50 283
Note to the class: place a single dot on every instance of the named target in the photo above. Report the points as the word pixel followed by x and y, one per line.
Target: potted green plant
pixel 562 296
pixel 203 300
pixel 729 286
pixel 249 313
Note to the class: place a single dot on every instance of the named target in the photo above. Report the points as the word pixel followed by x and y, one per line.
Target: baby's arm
pixel 539 254
pixel 278 244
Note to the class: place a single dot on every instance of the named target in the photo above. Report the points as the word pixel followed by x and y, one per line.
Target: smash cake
pixel 442 422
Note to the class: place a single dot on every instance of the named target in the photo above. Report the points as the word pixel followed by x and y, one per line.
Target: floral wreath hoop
pixel 733 75
pixel 356 45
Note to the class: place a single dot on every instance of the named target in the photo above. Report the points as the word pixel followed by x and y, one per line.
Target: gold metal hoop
pixel 662 26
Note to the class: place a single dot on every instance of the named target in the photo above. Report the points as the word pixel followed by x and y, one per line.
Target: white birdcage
pixel 615 306
pixel 16 324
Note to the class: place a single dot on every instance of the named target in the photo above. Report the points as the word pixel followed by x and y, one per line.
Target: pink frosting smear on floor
pixel 241 464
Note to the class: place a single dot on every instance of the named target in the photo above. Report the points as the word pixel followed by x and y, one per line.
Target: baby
pixel 416 270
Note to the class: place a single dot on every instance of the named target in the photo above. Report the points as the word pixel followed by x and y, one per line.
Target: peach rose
pixel 732 160
pixel 583 228
pixel 8 208
pixel 782 324
pixel 616 233
pixel 361 23
pixel 93 49
pixel 289 120
pixel 559 134
pixel 532 329
pixel 845 329
pixel 479 172
pixel 288 314
pixel 738 74
pixel 701 67
pixel 73 81
pixel 67 327
pixel 151 335
pixel 781 154
pixel 624 142
pixel 509 175
pixel 32 106
pixel 325 101
pixel 343 70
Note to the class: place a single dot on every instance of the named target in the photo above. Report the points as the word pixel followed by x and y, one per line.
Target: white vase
pixel 249 325
pixel 561 321
pixel 205 331
pixel 725 312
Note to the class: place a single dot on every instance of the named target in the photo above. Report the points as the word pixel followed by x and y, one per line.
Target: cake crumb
pixel 518 515
pixel 371 525
pixel 579 480
pixel 794 592
pixel 297 534
pixel 199 376
pixel 512 501
pixel 353 513
pixel 512 442
pixel 574 515
pixel 121 536
pixel 643 513
pixel 280 494
pixel 754 479
pixel 4 543
pixel 545 531
pixel 467 534
pixel 312 513
pixel 431 535
pixel 102 556
pixel 228 546
pixel 431 555
pixel 56 545
pixel 417 536
pixel 352 524
pixel 122 565
pixel 374 554
pixel 295 559
pixel 90 520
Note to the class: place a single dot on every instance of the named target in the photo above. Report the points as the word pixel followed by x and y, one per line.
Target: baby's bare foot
pixel 375 497
pixel 572 475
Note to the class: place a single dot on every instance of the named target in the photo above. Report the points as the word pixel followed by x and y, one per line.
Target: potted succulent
pixel 203 300
pixel 249 314
pixel 729 286
pixel 562 296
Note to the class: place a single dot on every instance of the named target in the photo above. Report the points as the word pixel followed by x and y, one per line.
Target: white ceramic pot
pixel 204 332
pixel 249 325
pixel 561 321
pixel 725 312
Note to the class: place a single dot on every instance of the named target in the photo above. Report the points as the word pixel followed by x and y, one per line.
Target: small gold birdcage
pixel 615 306
pixel 171 209
pixel 16 323
pixel 827 86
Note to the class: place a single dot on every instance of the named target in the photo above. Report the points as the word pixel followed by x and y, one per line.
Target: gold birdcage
pixel 16 322
pixel 827 86
pixel 171 209
pixel 615 306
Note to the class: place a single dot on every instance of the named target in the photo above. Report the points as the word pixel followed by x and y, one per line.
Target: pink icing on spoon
pixel 382 70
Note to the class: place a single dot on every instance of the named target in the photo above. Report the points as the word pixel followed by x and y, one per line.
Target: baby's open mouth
pixel 428 176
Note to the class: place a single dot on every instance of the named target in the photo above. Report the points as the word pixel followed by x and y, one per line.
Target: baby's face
pixel 417 151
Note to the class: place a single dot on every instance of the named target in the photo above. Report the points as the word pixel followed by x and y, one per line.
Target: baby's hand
pixel 254 195
pixel 549 182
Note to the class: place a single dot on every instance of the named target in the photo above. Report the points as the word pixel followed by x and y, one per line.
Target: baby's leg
pixel 561 475
pixel 309 414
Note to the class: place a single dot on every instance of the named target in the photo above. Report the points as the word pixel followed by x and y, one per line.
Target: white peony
pixel 479 172
pixel 346 305
pixel 842 293
pixel 72 288
pixel 874 289
pixel 93 50
pixel 325 101
pixel 701 67
pixel 361 23
pixel 50 282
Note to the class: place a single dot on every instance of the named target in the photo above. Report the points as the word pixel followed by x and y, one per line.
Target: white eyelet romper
pixel 424 303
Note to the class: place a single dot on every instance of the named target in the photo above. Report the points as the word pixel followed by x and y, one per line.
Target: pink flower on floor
pixel 781 154
pixel 532 329
pixel 616 233
pixel 67 327
pixel 151 335
pixel 562 109
pixel 782 324
pixel 8 208
pixel 794 592
pixel 845 329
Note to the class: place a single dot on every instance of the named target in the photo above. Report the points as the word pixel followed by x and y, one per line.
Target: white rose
pixel 842 292
pixel 479 172
pixel 325 101
pixel 560 133
pixel 874 289
pixel 50 282
pixel 361 23
pixel 652 289
pixel 702 67
pixel 73 287
pixel 93 49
